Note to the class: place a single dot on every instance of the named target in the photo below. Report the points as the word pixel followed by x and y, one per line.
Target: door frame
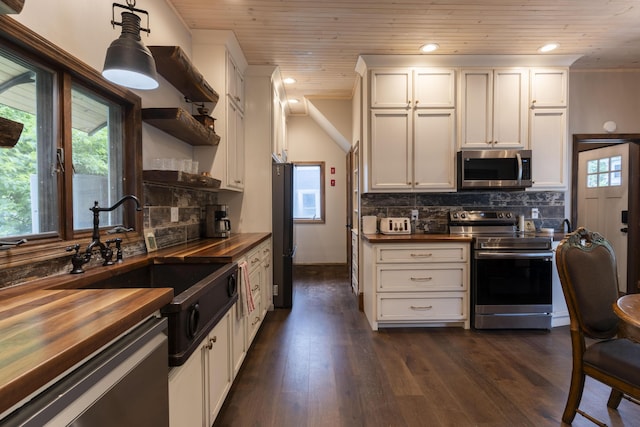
pixel 586 142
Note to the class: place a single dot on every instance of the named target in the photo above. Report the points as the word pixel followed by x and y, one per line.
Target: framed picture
pixel 150 240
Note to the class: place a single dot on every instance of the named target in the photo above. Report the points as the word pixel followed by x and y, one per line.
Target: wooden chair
pixel 587 267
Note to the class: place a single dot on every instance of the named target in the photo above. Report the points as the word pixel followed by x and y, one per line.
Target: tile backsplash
pixel 190 203
pixel 433 208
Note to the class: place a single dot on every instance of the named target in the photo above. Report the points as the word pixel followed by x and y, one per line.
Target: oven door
pixel 514 282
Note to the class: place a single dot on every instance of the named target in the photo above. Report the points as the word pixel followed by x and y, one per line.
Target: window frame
pixel 69 71
pixel 323 199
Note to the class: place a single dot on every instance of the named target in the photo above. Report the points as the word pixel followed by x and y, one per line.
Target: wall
pixel 599 96
pixel 323 243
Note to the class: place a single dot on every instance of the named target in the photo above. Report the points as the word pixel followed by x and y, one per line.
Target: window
pixel 79 144
pixel 308 192
pixel 605 172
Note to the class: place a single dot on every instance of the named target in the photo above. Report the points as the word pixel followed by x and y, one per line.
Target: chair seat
pixel 617 357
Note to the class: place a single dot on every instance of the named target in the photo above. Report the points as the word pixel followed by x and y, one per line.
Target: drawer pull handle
pixel 422 255
pixel 423 307
pixel 421 279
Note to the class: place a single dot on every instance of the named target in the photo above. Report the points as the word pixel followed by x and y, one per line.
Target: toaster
pixel 395 226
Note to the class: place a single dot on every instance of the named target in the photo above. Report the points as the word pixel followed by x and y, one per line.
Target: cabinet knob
pixel 533 104
pixel 408 104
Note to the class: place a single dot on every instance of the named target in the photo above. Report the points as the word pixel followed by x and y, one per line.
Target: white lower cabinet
pixel 416 284
pixel 198 388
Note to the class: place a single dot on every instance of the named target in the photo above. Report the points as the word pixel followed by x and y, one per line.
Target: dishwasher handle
pixel 547 256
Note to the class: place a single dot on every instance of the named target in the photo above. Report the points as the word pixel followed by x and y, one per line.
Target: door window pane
pixel 28 171
pixel 605 172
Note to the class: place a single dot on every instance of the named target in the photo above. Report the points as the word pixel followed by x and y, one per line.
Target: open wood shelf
pixel 179 123
pixel 172 64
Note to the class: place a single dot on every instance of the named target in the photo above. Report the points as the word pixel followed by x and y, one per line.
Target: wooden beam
pixel 9 132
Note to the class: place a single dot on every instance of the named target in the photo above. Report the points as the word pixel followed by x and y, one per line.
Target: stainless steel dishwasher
pixel 126 384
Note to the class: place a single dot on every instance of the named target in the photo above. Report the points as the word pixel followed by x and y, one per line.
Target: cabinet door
pixel 218 364
pixel 391 149
pixel 238 338
pixel 186 393
pixel 235 83
pixel 476 113
pixel 434 149
pixel 548 87
pixel 235 147
pixel 390 88
pixel 267 278
pixel 494 108
pixel 510 108
pixel 434 88
pixel 549 148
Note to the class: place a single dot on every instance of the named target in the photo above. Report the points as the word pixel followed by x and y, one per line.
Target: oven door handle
pixel 513 255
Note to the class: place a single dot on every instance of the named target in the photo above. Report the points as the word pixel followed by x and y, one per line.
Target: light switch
pixel 174 214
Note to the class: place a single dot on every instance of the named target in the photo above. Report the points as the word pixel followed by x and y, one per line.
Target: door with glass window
pixel 603 198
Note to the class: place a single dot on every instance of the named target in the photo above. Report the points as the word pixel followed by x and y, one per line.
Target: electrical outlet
pixel 414 214
pixel 535 213
pixel 174 214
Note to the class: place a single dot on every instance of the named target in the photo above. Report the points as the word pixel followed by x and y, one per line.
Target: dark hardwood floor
pixel 319 364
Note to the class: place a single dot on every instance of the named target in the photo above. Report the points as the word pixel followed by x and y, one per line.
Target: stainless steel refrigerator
pixel 284 244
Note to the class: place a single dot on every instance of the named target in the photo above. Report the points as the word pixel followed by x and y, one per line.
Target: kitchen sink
pixel 203 293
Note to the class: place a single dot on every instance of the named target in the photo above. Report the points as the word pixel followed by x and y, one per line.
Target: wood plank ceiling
pixel 318 42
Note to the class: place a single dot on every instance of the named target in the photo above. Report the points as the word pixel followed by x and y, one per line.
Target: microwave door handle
pixel 519 159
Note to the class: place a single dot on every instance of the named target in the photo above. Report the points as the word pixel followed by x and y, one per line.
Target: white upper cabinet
pixel 548 88
pixel 434 88
pixel 220 59
pixel 549 148
pixel 494 108
pixel 391 88
pixel 548 131
pixel 413 137
pixel 235 83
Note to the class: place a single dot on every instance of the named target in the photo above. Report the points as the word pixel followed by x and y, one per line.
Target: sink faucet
pixel 568 224
pixel 105 250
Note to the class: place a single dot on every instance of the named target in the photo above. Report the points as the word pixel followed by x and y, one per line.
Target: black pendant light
pixel 129 62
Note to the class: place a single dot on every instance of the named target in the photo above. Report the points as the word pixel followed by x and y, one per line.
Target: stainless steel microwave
pixel 494 169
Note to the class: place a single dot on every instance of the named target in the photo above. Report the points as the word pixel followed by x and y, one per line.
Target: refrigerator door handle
pixel 290 253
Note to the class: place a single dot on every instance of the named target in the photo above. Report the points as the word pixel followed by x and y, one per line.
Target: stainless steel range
pixel 510 271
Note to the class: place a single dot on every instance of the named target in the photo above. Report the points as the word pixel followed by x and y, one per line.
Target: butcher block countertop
pixel 414 238
pixel 48 326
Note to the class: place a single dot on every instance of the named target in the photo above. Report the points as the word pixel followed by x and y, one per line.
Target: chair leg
pixel 614 398
pixel 575 395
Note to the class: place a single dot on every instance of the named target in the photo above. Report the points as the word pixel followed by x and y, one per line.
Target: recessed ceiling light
pixel 289 80
pixel 429 47
pixel 548 47
pixel 293 100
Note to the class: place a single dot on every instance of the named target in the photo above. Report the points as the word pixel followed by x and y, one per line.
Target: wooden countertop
pixel 414 238
pixel 43 333
pixel 213 250
pixel 48 325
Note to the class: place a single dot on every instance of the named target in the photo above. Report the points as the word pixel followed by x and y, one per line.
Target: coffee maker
pixel 217 222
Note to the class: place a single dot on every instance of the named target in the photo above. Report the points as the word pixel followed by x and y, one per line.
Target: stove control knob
pixel 500 214
pixel 454 215
pixel 508 214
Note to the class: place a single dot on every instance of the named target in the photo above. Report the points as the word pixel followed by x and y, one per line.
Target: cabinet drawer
pixel 435 277
pixel 440 252
pixel 254 320
pixel 422 306
pixel 254 258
